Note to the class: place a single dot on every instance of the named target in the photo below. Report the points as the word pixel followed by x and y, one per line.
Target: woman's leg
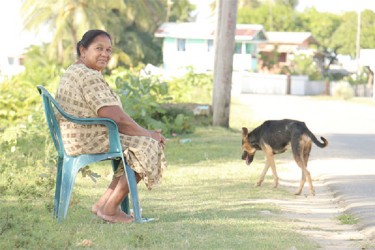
pixel 103 199
pixel 110 210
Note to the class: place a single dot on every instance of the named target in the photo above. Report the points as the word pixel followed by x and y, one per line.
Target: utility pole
pixel 358 41
pixel 223 65
pixel 169 5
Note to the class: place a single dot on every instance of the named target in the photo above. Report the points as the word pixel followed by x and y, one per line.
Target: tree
pixel 131 24
pixel 133 32
pixel 223 67
pixel 367 29
pixel 321 25
pixel 290 3
pixel 248 4
pixel 345 35
pixel 274 17
pixel 180 11
pixel 67 19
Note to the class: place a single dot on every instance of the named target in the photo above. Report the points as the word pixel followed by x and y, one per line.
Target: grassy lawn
pixel 207 201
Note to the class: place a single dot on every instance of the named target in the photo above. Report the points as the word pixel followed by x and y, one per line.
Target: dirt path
pixel 317 216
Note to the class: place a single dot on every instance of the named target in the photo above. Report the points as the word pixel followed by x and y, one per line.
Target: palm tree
pixel 67 20
pixel 131 24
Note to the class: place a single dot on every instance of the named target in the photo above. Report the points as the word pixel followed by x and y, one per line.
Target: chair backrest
pixel 49 103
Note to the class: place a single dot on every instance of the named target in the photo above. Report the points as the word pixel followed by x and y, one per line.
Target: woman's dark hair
pixel 88 37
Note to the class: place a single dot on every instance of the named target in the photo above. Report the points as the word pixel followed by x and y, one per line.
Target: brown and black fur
pixel 274 137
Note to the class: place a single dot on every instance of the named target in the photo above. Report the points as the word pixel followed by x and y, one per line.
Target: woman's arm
pixel 126 125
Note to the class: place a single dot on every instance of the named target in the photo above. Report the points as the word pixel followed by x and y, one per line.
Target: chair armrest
pixel 113 133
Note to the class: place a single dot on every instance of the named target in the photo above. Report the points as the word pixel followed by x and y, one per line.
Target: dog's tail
pixel 319 144
pixel 316 141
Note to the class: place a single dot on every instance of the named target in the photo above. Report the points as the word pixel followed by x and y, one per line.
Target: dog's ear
pixel 244 131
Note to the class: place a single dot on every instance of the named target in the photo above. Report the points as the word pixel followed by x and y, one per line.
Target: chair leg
pixel 60 161
pixel 125 205
pixel 130 175
pixel 69 173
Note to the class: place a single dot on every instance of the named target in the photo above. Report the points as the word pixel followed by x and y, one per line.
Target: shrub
pixel 191 88
pixel 343 90
pixel 360 78
pixel 142 98
pixel 305 65
pixel 25 145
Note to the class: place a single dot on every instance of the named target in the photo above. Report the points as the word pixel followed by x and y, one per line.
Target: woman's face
pixel 97 55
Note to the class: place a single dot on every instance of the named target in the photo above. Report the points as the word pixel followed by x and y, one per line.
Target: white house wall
pixel 196 54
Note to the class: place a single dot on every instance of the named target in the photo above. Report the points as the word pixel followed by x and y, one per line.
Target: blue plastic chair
pixel 68 166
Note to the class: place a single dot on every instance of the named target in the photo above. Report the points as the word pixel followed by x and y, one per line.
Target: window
pixel 210 45
pixel 249 48
pixel 238 48
pixel 10 60
pixel 181 44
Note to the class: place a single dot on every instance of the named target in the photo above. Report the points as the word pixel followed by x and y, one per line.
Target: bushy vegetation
pixel 360 78
pixel 304 65
pixel 155 103
pixel 25 144
pixel 26 149
pixel 192 88
pixel 343 90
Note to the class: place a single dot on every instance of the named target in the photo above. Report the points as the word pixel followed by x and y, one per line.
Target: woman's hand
pixel 156 134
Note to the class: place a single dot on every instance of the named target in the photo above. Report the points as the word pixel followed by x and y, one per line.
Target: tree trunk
pixel 370 81
pixel 223 67
pixel 328 87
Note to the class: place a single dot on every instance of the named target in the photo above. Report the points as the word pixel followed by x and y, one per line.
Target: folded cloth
pixel 145 156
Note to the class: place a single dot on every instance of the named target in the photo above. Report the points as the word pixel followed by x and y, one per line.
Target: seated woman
pixel 83 92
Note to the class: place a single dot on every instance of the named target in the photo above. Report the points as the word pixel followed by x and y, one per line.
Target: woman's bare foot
pixel 119 217
pixel 95 208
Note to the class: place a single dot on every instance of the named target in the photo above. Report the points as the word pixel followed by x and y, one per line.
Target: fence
pixel 258 83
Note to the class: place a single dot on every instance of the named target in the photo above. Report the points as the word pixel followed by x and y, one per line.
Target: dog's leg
pixel 302 183
pixel 275 177
pixel 301 157
pixel 271 163
pixel 306 175
pixel 306 154
pixel 264 172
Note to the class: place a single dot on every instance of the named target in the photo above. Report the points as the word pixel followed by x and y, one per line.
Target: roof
pixel 290 38
pixel 245 32
pixel 283 48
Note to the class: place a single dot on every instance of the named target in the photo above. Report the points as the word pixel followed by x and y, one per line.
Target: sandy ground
pixel 316 216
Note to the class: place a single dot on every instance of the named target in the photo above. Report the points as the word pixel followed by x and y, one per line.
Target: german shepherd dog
pixel 275 137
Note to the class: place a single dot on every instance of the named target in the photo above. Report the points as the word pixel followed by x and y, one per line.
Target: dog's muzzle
pixel 247 157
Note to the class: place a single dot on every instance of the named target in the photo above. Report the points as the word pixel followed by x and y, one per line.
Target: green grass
pixel 347 219
pixel 206 201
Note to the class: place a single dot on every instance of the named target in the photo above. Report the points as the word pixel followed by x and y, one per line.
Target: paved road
pixel 347 165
